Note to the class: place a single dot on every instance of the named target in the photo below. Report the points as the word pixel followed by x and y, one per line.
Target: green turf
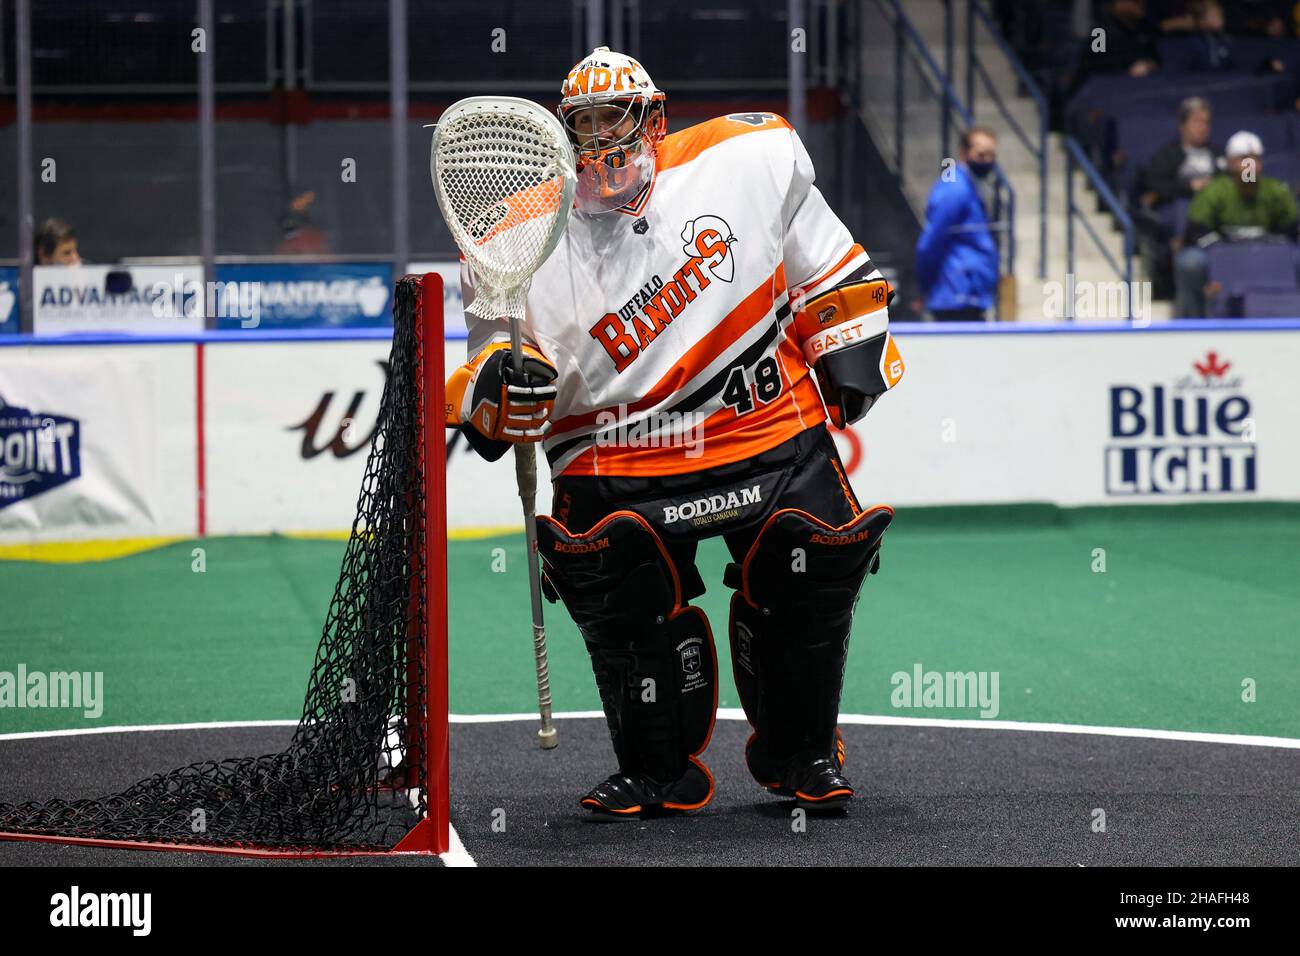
pixel 1194 600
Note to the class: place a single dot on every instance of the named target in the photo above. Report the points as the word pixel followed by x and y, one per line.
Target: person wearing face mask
pixel 956 256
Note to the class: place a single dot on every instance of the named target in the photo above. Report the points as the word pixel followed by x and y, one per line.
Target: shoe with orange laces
pixel 627 795
pixel 815 780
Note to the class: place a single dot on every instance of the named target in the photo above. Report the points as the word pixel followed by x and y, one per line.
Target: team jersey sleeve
pixel 819 251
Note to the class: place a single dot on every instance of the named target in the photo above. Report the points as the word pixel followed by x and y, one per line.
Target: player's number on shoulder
pixel 740 389
pixel 752 119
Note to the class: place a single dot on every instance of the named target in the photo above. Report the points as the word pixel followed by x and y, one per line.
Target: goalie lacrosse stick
pixel 503 172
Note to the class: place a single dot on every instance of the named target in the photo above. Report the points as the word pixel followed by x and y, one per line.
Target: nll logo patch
pixel 1194 435
pixel 691 653
pixel 38 452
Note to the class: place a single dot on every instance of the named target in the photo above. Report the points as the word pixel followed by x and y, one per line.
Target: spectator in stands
pixel 1241 204
pixel 1127 44
pixel 1211 49
pixel 301 236
pixel 1177 172
pixel 56 244
pixel 956 257
pixel 1183 166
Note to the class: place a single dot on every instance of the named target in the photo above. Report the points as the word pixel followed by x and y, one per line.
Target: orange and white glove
pixel 844 334
pixel 500 404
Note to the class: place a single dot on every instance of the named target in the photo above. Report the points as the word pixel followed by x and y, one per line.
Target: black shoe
pixel 626 794
pixel 823 786
pixel 764 768
pixel 816 781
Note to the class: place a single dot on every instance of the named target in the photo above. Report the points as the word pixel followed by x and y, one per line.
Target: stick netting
pixel 499 173
pixel 353 776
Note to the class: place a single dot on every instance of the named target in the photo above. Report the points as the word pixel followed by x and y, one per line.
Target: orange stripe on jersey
pixel 849 256
pixel 683 146
pixel 726 437
pixel 751 310
pixel 793 364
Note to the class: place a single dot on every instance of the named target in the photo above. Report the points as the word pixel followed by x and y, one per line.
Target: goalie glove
pixel 844 334
pixel 495 406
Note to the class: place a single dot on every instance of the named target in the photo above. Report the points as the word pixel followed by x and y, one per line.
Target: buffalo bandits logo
pixel 711 228
pixel 706 243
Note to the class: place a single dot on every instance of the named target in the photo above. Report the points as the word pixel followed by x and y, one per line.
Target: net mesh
pixel 351 776
pixel 500 174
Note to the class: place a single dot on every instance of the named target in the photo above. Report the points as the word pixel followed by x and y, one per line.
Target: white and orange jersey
pixel 679 303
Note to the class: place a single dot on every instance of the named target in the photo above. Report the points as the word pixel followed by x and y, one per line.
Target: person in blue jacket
pixel 956 257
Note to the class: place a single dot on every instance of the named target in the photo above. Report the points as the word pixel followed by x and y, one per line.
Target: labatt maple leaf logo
pixel 1212 367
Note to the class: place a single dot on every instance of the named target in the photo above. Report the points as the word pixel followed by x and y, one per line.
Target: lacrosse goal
pixel 367 768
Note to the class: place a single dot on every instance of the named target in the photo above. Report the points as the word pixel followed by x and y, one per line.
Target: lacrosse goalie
pixel 703 316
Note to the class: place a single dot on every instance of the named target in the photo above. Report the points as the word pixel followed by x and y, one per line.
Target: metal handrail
pixel 975 10
pixel 941 86
pixel 922 51
pixel 1004 185
pixel 1075 156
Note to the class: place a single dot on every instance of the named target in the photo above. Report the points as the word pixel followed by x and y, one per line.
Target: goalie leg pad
pixel 653 656
pixel 790 622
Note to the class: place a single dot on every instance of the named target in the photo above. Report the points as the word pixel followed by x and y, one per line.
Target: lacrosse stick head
pixel 503 172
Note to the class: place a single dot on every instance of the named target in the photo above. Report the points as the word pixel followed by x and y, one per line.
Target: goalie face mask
pixel 615 149
pixel 614 116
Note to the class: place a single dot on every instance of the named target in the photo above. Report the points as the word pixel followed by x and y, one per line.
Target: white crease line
pixel 735 713
pixel 146 728
pixel 457 855
pixel 940 723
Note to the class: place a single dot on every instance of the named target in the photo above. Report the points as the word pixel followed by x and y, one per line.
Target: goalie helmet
pixel 614 116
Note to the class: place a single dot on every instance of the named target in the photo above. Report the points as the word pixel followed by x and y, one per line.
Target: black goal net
pixel 356 774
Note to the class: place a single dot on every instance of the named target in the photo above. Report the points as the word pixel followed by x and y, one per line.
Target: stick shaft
pixel 526 473
pixel 526 478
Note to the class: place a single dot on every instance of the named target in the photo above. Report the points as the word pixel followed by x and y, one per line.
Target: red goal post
pixel 433 833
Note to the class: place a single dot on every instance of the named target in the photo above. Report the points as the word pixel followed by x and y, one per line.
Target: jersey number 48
pixel 740 390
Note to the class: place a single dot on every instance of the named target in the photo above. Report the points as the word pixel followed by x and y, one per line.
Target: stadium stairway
pixel 1021 168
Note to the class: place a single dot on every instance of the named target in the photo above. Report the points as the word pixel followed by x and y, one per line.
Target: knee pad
pixel 653 655
pixel 791 617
